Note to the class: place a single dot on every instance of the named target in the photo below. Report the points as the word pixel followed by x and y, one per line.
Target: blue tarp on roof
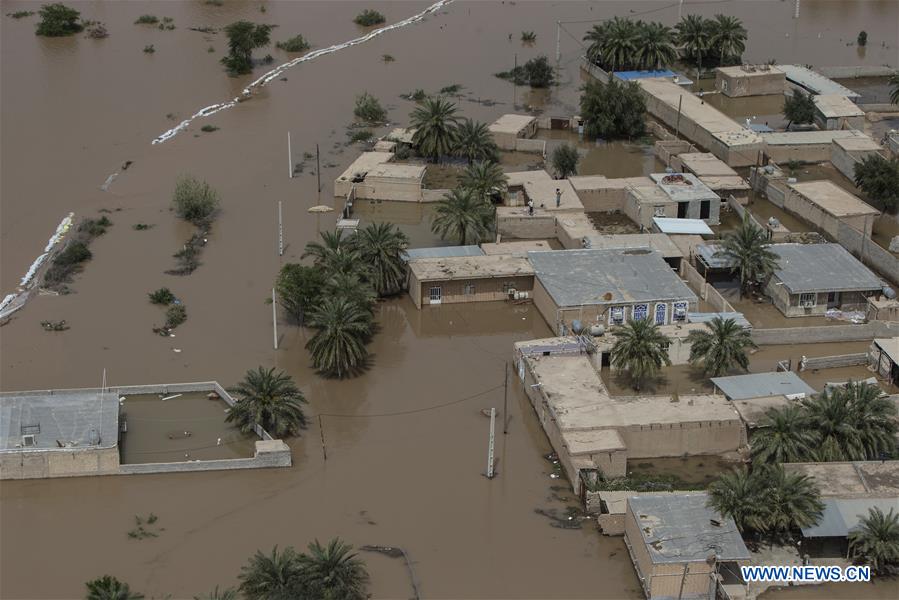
pixel 632 75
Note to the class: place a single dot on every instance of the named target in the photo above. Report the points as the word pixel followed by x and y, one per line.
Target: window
pixel 468 290
pixel 680 311
pixel 508 287
pixel 28 440
pixel 640 312
pixel 682 210
pixel 31 429
pixel 661 313
pixel 705 209
pixel 808 300
pixel 436 294
pixel 616 315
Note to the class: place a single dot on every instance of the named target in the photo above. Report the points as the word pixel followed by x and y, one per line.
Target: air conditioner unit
pixel 28 441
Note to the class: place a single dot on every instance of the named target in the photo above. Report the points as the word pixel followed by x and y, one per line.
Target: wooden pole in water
pixel 490 444
pixel 558 40
pixel 318 169
pixel 506 399
pixel 514 86
pixel 321 431
pixel 289 157
pixel 280 231
pixel 274 320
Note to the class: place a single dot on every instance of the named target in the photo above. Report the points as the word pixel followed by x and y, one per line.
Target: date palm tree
pixel 873 415
pixel 271 577
pixel 338 346
pixel 748 249
pixel 728 38
pixel 785 436
pixel 331 244
pixel 792 500
pixel 640 349
pixel 830 416
pixel 353 286
pixel 739 495
pixel 597 37
pixel 721 348
pixel 694 35
pixel 655 46
pixel 876 541
pixel 217 594
pixel 110 588
pixel 463 216
pixel 271 400
pixel 485 179
pixel 614 43
pixel 333 571
pixel 435 124
pixel 475 142
pixel 894 92
pixel 380 247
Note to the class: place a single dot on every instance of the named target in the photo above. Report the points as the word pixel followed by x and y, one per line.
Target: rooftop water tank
pixel 889 292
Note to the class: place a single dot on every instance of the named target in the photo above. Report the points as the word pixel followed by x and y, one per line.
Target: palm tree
pixel 784 437
pixel 749 251
pixel 275 577
pixel 338 346
pixel 597 38
pixel 876 541
pixel 323 252
pixel 792 500
pixel 694 35
pixel 380 247
pixel 721 348
pixel 656 46
pixel 463 216
pixel 110 588
pixel 485 179
pixel 435 127
pixel 475 142
pixel 613 44
pixel 352 286
pixel 873 415
pixel 640 349
pixel 268 399
pixel 333 571
pixel 739 495
pixel 728 38
pixel 217 594
pixel 894 93
pixel 830 417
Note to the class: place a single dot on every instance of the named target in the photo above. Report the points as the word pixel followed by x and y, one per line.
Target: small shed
pixel 511 127
pixel 681 226
pixel 762 385
pixel 834 111
pixel 815 83
pixel 883 357
pixel 677 544
pixel 695 200
pixel 468 278
pixel 750 80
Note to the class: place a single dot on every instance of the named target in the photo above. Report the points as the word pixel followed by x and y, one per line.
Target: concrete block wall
pixel 679 439
pixel 870 253
pixel 518 225
pixel 38 464
pixel 267 455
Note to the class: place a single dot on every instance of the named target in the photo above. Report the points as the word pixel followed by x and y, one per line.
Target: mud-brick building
pixel 827 206
pixel 509 129
pixel 680 547
pixel 457 279
pixel 58 434
pixel 750 80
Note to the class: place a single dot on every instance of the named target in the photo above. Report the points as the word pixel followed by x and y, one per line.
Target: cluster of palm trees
pixel 440 132
pixel 466 214
pixel 621 44
pixel 271 400
pixel 325 572
pixel 854 422
pixel 748 250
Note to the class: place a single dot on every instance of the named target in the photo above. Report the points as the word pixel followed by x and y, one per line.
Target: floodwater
pixel 612 159
pixel 185 428
pixel 405 456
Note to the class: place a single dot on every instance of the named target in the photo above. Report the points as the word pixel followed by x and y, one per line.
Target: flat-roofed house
pixel 714 173
pixel 883 357
pixel 833 111
pixel 845 153
pixel 509 128
pixel 456 279
pixel 827 206
pixel 812 278
pixel 750 80
pixel 608 286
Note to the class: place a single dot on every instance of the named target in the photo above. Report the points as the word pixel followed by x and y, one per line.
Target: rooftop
pixel 750 70
pixel 589 183
pixel 858 142
pixel 833 199
pixel 364 163
pixel 616 500
pixel 890 346
pixel 662 73
pixel 728 131
pixel 682 187
pixel 624 241
pixel 711 255
pixel 397 171
pixel 511 123
pixel 401 134
pixel 583 277
pixel 852 479
pixel 543 193
pixel 799 138
pixel 842 515
pixel 443 252
pixel 760 385
pixel 519 248
pixel 682 226
pixel 679 528
pixel 519 178
pixel 753 411
pixel 836 105
pixel 648 194
pixel 815 82
pixel 822 268
pixel 59 420
pixel 705 317
pixel 705 163
pixel 469 267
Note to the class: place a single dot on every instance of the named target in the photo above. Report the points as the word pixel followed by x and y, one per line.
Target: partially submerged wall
pixel 268 454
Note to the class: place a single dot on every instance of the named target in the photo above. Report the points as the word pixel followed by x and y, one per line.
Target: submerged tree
pixel 474 142
pixel 876 541
pixel 721 347
pixel 217 594
pixel 640 349
pixel 564 160
pixel 613 110
pixel 878 178
pixel 749 252
pixel 728 39
pixel 695 36
pixel 799 108
pixel 435 124
pixel 537 73
pixel 58 20
pixel 195 201
pixel 243 38
pixel 110 588
pixel 655 47
pixel 333 571
pixel 298 288
pixel 380 246
pixel 485 179
pixel 271 577
pixel 783 436
pixel 368 109
pixel 463 216
pixel 270 400
pixel 338 346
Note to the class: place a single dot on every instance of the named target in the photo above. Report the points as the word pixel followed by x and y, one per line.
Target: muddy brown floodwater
pixel 406 453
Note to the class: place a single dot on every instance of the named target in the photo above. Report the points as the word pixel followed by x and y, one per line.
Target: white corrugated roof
pixel 686 226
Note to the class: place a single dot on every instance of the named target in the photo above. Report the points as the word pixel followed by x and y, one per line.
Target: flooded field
pixel 179 429
pixel 406 442
pixel 612 159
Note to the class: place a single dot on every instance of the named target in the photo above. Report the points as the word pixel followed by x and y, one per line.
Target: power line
pixel 416 410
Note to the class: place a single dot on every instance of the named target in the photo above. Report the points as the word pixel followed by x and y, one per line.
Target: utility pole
pixel 680 100
pixel 796 11
pixel 506 399
pixel 274 320
pixel 318 169
pixel 490 444
pixel 280 232
pixel 558 41
pixel 321 430
pixel 289 157
pixel 514 85
pixel 680 9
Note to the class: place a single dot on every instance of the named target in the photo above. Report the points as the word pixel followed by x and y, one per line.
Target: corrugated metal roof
pixel 815 82
pixel 758 385
pixel 680 528
pixel 696 317
pixel 588 277
pixel 822 268
pixel 842 515
pixel 709 254
pixel 684 226
pixel 443 252
pixel 75 417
